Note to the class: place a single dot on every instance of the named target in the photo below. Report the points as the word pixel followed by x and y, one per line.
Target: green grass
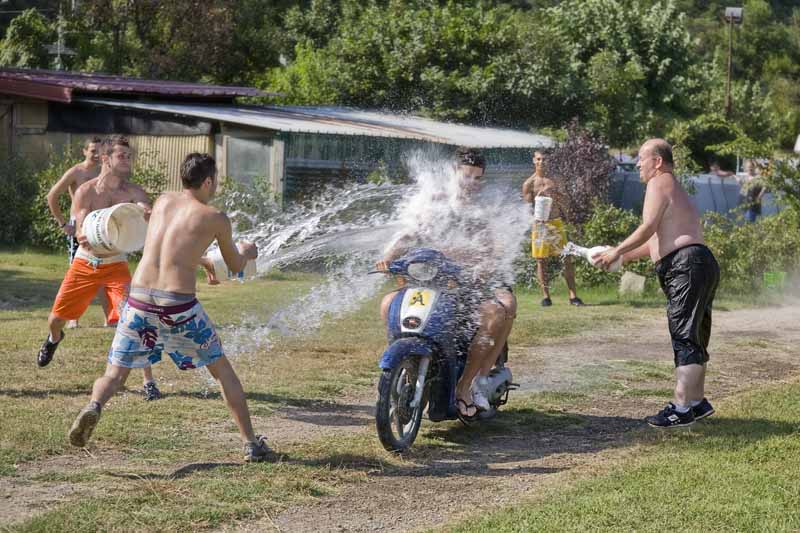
pixel 174 465
pixel 733 472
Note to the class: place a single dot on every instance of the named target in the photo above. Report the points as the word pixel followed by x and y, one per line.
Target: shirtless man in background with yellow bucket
pixel 548 237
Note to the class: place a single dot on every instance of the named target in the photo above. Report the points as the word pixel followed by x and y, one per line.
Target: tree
pixel 582 168
pixel 454 60
pixel 26 40
pixel 217 41
pixel 633 59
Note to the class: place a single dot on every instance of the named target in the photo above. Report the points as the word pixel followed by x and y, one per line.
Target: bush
pixel 150 174
pixel 607 225
pixel 44 229
pixel 17 187
pixel 582 170
pixel 746 251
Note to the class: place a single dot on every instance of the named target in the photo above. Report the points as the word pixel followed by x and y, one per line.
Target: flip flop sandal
pixel 466 419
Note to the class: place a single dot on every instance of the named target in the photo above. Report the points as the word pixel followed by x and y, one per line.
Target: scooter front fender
pixel 404 347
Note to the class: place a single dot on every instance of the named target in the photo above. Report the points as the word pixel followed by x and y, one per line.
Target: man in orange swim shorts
pixel 90 270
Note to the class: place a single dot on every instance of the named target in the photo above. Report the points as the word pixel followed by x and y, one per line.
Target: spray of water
pixel 483 230
pixel 481 226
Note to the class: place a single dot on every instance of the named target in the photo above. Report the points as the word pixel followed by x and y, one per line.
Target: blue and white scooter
pixel 431 324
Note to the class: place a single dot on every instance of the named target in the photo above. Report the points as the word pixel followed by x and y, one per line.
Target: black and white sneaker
pixel 48 350
pixel 669 417
pixel 151 391
pixel 702 409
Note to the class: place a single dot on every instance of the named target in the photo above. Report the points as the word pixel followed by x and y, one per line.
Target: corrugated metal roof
pixel 345 121
pixel 59 85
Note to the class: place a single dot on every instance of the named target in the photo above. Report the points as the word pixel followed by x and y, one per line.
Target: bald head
pixel 658 148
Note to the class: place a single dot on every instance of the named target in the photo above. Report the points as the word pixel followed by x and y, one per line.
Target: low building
pixel 296 148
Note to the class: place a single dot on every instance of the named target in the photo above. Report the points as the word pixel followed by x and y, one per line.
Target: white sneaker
pixel 479 393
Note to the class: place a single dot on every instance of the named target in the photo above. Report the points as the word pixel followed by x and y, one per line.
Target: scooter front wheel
pixel 397 422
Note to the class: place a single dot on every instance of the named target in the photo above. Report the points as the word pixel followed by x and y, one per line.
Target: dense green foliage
pixel 16 189
pixel 44 229
pixel 626 69
pixel 609 225
pixel 747 251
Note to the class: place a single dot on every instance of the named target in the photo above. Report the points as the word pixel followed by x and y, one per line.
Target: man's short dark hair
pixel 661 148
pixel 91 140
pixel 196 167
pixel 471 157
pixel 113 140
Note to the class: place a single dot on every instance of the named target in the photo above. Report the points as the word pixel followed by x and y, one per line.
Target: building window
pixel 247 159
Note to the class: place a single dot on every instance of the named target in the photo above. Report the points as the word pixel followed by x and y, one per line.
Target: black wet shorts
pixel 689 278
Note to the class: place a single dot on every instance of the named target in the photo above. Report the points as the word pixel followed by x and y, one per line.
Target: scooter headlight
pixel 423 271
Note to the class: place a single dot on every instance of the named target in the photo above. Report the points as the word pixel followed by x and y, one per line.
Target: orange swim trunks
pixel 81 284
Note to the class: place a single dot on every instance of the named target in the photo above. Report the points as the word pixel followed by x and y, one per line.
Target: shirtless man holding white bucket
pixel 671 234
pixel 73 178
pixel 162 315
pixel 91 270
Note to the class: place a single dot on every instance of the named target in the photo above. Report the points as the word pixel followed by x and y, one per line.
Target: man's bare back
pixel 679 224
pixel 180 230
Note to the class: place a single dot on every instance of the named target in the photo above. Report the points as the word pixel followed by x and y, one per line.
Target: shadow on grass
pixel 315 410
pixel 182 472
pixel 502 447
pixel 46 393
pixel 23 293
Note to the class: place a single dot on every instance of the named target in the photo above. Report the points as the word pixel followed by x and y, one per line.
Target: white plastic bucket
pixel 222 271
pixel 541 208
pixel 117 229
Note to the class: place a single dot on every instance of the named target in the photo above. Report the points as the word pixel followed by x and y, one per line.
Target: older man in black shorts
pixel 671 234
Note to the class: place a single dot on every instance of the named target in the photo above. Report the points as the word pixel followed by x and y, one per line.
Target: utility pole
pixel 59 48
pixel 728 79
pixel 733 15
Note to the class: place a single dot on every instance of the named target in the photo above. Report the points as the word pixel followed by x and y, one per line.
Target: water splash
pixel 483 227
pixel 572 249
pixel 345 230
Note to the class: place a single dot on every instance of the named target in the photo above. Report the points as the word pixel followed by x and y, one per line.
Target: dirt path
pixel 748 347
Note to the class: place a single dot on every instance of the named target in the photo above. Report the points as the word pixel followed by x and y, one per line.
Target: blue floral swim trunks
pixel 147 331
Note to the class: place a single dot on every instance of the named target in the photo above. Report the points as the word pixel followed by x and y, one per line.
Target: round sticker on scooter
pixel 423 271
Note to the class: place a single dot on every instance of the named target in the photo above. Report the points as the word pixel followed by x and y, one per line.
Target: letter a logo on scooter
pixel 417 298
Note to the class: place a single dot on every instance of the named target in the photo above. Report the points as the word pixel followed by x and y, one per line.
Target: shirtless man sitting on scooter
pixel 496 312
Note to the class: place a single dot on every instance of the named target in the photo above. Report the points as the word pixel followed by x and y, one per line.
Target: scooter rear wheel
pixel 396 421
